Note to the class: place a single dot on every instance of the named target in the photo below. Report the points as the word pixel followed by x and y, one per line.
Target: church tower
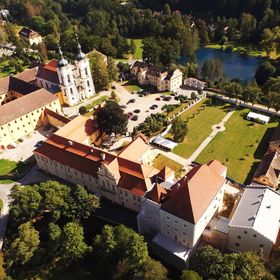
pixel 66 80
pixel 85 83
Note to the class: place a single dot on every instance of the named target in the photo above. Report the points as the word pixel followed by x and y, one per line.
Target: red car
pixel 158 99
pixel 129 115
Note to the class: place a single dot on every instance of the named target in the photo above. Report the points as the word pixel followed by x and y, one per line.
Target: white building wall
pixel 247 239
pixel 148 219
pixel 185 232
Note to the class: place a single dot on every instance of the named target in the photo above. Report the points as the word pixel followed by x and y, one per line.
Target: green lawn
pixel 200 122
pixel 252 50
pixel 97 102
pixel 6 166
pixel 240 147
pixel 132 87
pixel 160 161
pixel 139 49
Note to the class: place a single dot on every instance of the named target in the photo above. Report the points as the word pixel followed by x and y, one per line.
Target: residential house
pixel 255 223
pixel 163 79
pixel 194 83
pixel 30 36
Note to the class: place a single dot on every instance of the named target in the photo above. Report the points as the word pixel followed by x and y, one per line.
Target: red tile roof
pixel 48 72
pixel 217 166
pixel 157 193
pixel 88 160
pixel 191 196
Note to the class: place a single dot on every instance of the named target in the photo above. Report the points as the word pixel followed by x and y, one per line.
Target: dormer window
pixel 68 78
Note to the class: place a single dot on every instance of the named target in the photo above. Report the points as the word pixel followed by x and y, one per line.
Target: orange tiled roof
pixel 191 196
pixel 157 193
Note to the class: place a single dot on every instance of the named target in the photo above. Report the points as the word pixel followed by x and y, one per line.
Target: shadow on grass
pixel 263 144
pixel 250 175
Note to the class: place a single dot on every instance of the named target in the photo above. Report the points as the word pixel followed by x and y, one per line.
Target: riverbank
pixel 249 50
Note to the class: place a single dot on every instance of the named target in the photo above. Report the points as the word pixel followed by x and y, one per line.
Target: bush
pixel 83 110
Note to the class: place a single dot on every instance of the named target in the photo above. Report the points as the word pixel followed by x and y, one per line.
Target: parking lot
pixel 143 104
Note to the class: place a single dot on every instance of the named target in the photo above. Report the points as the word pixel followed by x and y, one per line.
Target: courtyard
pixel 240 147
pixel 200 119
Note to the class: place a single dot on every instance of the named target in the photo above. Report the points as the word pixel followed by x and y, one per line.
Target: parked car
pixel 134 118
pixel 133 100
pixel 158 99
pixel 129 115
pixel 113 87
pixel 137 111
pixel 167 98
pixel 155 105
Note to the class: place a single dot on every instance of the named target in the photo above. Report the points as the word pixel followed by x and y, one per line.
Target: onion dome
pixel 61 61
pixel 80 54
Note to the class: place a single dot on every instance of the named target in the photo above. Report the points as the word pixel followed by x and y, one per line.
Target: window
pixel 236 244
pixel 71 90
pixel 239 237
pixel 68 78
pixel 86 71
pixel 254 235
pixel 261 245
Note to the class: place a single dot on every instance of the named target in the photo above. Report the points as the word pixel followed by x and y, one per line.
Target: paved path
pixel 215 130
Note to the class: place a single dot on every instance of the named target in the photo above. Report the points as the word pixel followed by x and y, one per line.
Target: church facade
pixel 74 81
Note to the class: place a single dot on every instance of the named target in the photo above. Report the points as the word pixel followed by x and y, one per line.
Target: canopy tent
pixel 164 143
pixel 252 116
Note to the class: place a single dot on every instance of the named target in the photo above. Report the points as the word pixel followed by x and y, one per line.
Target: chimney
pixel 102 156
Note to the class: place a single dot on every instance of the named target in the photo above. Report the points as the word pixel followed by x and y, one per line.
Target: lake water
pixel 234 65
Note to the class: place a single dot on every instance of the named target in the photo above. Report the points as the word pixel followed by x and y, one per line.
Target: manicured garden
pixel 240 147
pixel 200 119
pixel 160 161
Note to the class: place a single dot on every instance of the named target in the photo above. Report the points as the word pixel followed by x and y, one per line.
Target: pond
pixel 234 65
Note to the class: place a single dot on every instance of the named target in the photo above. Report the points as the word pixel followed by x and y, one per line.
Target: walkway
pixel 215 130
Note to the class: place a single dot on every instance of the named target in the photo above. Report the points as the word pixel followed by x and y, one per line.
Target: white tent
pixel 164 143
pixel 252 116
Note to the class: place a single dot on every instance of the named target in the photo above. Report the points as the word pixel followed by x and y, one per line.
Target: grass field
pixel 252 50
pixel 97 102
pixel 160 161
pixel 6 166
pixel 240 147
pixel 200 124
pixel 131 87
pixel 139 49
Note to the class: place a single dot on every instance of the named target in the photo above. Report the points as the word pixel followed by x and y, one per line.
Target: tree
pixel 111 119
pixel 154 270
pixel 251 94
pixel 166 10
pixel 264 72
pixel 190 275
pixel 233 90
pixel 153 124
pixel 114 96
pixel 112 69
pixel 73 246
pixel 212 264
pixel 23 248
pixel 151 51
pixel 211 69
pixel 121 253
pixel 179 130
pixel 82 204
pixel 54 232
pixel 99 71
pixel 43 52
pixel 2 270
pixel 248 25
pixel 270 39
